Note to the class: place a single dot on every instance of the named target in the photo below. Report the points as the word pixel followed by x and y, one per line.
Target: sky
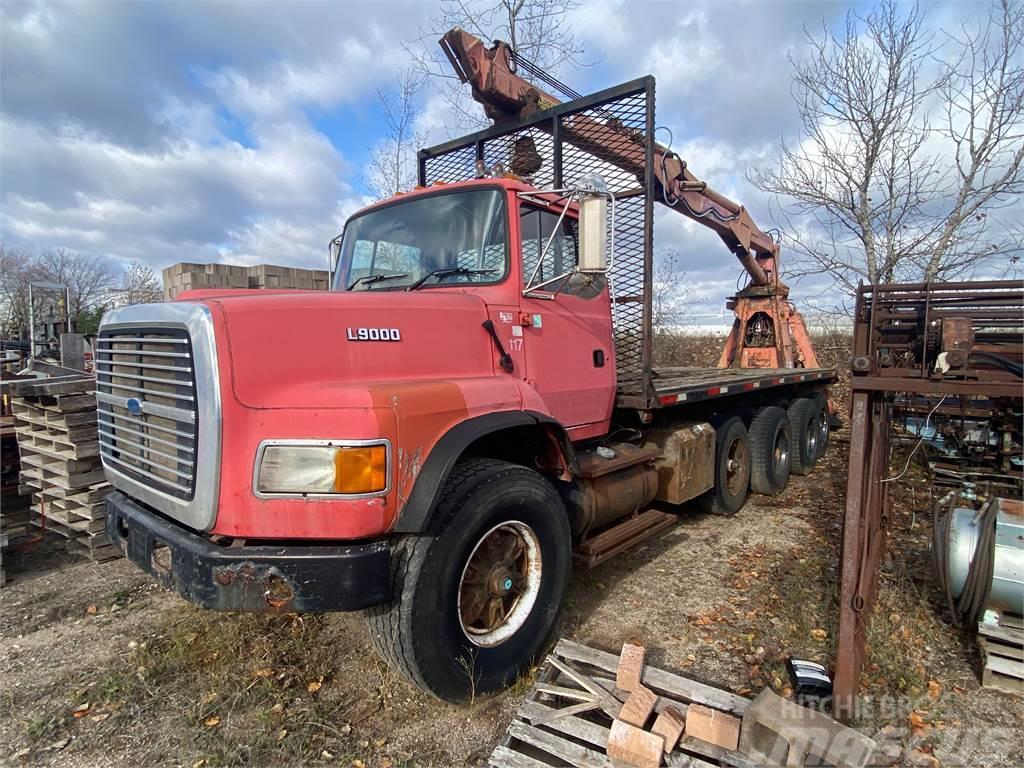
pixel 240 132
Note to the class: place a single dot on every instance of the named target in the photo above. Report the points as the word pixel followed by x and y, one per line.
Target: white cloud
pixel 687 59
pixel 330 78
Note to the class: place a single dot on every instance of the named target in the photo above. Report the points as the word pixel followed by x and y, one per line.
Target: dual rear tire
pixel 786 440
pixel 770 441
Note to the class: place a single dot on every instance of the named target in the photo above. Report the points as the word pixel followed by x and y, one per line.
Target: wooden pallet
pixel 539 736
pixel 1002 651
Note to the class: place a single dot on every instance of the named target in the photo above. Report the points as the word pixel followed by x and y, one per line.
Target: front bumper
pixel 261 579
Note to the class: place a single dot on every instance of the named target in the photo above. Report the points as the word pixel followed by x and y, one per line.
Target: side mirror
pixel 333 255
pixel 593 224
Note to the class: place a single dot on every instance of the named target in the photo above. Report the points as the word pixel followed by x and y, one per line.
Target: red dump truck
pixel 468 412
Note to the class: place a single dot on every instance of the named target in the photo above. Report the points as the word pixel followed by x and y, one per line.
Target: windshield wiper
pixel 370 279
pixel 445 272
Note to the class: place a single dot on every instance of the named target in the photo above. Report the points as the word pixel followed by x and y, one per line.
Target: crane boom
pixel 506 96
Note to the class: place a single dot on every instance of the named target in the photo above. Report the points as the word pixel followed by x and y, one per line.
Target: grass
pixel 241 690
pixel 44 727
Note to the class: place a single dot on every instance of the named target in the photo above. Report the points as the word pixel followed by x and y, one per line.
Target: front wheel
pixel 473 605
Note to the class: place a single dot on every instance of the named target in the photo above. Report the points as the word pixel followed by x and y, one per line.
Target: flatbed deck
pixel 673 386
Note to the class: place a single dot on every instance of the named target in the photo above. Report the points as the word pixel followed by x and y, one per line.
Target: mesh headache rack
pixel 608 133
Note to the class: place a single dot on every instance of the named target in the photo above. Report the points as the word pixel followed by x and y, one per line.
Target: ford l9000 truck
pixel 468 413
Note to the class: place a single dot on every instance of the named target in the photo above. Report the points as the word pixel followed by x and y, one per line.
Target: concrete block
pixel 631 667
pixel 670 725
pixel 638 706
pixel 778 732
pixel 712 726
pixel 634 745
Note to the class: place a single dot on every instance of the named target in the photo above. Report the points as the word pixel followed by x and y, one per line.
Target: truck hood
pixel 308 349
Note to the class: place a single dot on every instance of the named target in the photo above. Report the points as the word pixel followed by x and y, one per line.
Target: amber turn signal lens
pixel 362 469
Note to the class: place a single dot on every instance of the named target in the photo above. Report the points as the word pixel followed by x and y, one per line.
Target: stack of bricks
pixel 187 276
pixel 55 420
pixel 630 740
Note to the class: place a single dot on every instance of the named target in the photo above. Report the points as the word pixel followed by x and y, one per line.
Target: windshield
pixel 459 237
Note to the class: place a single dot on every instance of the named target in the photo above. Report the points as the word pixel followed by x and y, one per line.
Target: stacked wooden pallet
pixel 55 420
pixel 1002 651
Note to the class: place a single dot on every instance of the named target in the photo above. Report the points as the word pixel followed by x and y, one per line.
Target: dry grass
pixel 237 690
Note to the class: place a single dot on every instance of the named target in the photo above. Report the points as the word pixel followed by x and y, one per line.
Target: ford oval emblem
pixel 134 406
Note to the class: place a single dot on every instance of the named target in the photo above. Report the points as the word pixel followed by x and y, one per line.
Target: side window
pixel 536 227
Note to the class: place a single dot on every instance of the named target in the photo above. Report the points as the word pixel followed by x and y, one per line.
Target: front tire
pixel 473 605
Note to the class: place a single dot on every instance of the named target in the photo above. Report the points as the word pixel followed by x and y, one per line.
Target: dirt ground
pixel 99 667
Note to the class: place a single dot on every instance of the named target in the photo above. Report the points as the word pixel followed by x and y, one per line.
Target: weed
pixel 44 727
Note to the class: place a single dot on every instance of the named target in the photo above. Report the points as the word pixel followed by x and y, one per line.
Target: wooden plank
pixel 59 385
pixel 574 754
pixel 1010 621
pixel 597 735
pixel 62 467
pixel 44 478
pixel 660 681
pixel 578 728
pixel 1005 666
pixel 53 417
pixel 503 757
pixel 1004 651
pixel 1006 634
pixel 64 403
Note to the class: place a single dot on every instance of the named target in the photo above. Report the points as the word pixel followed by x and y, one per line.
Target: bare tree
pixel 983 91
pixel 901 157
pixel 140 285
pixel 17 270
pixel 538 30
pixel 392 165
pixel 670 295
pixel 87 277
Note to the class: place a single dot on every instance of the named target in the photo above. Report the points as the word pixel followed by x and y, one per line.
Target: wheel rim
pixel 811 441
pixel 780 453
pixel 823 430
pixel 500 583
pixel 736 465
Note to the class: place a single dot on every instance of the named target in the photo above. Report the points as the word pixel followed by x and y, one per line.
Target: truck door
pixel 566 325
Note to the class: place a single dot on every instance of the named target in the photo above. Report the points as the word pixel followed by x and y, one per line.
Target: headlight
pixel 322 468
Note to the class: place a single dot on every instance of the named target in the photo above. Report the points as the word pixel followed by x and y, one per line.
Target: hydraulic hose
pixel 969 606
pixel 1017 369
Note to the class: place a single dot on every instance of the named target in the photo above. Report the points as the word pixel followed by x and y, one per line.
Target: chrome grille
pixel 148 415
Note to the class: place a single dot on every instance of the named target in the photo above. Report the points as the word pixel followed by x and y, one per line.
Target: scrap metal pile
pixel 939 367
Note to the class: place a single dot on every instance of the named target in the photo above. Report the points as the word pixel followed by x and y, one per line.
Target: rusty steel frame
pixel 898 335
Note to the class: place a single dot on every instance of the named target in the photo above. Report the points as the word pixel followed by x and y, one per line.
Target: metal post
pixel 647 349
pixel 31 323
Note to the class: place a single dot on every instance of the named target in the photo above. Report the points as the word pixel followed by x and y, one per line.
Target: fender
pixel 417 515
